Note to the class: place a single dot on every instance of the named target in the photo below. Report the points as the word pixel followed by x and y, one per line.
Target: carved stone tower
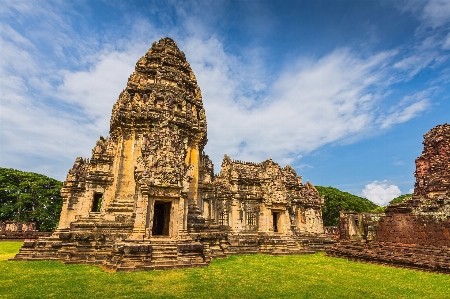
pixel 147 171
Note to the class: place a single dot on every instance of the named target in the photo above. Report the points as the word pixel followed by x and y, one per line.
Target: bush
pixel 337 200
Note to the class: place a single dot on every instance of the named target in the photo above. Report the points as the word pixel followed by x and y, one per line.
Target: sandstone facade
pixel 148 197
pixel 415 233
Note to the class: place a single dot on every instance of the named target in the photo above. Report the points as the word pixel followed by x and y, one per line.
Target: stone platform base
pixel 20 236
pixel 161 253
pixel 412 256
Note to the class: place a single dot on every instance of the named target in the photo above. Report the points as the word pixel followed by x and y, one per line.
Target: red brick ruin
pixel 412 234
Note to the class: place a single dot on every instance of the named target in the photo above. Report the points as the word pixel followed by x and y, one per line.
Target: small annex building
pixel 148 197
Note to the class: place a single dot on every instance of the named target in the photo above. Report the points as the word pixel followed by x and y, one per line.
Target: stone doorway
pixel 161 218
pixel 275 221
pixel 97 202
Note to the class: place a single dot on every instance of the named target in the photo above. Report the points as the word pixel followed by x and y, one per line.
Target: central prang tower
pixel 159 125
pixel 146 174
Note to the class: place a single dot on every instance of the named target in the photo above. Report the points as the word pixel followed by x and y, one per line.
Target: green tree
pixel 401 198
pixel 337 200
pixel 28 196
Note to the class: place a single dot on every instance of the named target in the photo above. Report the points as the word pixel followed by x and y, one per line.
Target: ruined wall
pixel 359 226
pixel 433 166
pixel 17 226
pixel 10 230
pixel 423 225
pixel 416 232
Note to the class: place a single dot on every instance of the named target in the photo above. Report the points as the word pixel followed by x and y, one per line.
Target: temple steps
pixel 276 244
pixel 160 253
pixel 121 205
pixel 165 254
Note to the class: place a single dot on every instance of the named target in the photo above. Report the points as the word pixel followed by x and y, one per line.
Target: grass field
pixel 244 276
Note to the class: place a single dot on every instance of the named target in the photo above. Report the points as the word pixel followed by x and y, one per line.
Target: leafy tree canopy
pixel 401 198
pixel 30 197
pixel 337 200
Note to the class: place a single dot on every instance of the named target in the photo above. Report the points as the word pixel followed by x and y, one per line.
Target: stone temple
pixel 148 197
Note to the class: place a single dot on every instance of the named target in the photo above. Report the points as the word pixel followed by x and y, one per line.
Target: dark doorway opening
pixel 161 218
pixel 97 202
pixel 276 217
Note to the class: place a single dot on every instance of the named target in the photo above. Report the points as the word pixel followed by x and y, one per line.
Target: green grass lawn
pixel 243 276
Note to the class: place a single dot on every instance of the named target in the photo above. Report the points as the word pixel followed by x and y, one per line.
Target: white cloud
pixel 96 90
pixel 403 114
pixel 409 107
pixel 446 43
pixel 251 115
pixel 436 13
pixel 381 193
pixel 413 64
pixel 432 13
pixel 430 36
pixel 312 104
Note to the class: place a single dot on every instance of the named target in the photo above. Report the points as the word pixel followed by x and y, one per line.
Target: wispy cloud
pixel 446 42
pixel 54 107
pixel 408 108
pixel 436 13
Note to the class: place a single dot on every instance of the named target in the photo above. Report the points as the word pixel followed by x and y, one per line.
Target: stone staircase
pixel 98 242
pixel 123 206
pixel 157 254
pixel 247 243
pixel 275 244
pixel 164 254
pixel 41 249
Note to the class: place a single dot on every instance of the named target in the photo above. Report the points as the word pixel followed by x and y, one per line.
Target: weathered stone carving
pixel 148 197
pixel 433 166
pixel 269 195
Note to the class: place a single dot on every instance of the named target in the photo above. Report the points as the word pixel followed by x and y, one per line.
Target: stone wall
pixel 10 230
pixel 422 225
pixel 13 226
pixel 358 226
pixel 332 231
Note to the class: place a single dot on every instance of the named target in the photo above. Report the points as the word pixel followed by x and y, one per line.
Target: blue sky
pixel 341 90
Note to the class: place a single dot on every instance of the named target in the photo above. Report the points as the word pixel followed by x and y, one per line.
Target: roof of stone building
pixel 244 170
pixel 162 88
pixel 263 174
